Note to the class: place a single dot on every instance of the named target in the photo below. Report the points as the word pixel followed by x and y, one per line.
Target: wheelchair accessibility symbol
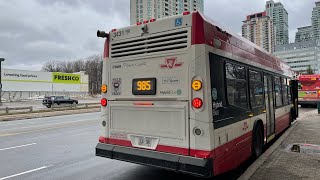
pixel 178 22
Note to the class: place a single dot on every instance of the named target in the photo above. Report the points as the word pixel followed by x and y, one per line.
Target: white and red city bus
pixel 309 89
pixel 183 94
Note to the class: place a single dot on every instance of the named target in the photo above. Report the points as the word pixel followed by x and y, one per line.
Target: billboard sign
pixel 35 81
pixel 66 78
pixel 25 76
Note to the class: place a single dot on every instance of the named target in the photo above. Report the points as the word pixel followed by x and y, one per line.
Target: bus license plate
pixel 144 86
pixel 144 142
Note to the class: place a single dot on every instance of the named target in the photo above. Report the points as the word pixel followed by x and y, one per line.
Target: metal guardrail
pixel 8 110
pixel 85 105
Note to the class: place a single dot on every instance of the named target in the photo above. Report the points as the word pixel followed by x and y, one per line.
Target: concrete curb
pixel 257 163
pixel 46 114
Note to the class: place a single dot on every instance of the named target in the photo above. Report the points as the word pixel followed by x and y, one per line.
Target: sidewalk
pixel 285 164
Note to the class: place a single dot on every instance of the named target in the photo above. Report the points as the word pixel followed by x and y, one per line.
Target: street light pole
pixel 1 60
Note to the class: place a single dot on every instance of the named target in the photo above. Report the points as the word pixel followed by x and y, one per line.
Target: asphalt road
pixel 63 148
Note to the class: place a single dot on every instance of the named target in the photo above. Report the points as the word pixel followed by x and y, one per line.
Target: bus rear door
pixel 269 103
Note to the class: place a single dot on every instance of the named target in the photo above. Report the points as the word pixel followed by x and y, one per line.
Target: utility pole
pixel 1 60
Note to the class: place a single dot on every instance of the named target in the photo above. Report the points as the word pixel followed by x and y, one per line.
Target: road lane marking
pixel 26 172
pixel 37 120
pixel 51 124
pixel 5 125
pixel 43 129
pixel 18 146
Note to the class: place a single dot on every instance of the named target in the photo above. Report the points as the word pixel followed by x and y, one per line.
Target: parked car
pixel 51 100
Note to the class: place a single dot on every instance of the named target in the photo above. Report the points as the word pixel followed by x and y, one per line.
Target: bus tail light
pixel 197 103
pixel 196 85
pixel 319 93
pixel 139 23
pixel 145 22
pixel 152 20
pixel 113 30
pixel 104 88
pixel 104 102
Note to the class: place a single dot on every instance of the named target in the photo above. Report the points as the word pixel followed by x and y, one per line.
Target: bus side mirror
pixel 102 34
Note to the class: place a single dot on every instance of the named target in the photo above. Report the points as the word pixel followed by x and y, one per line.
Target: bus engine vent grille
pixel 150 44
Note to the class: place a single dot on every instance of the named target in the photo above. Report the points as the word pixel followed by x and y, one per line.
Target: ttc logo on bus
pixel 171 63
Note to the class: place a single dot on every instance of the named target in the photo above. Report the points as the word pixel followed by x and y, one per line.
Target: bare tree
pixel 50 66
pixel 65 66
pixel 91 65
pixel 94 70
pixel 79 65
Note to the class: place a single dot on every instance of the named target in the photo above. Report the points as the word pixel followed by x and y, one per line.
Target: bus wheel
pixel 257 143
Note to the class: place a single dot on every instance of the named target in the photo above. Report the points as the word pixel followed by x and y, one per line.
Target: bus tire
pixel 257 140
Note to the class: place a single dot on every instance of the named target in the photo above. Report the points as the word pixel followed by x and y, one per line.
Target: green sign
pixel 307 94
pixel 65 78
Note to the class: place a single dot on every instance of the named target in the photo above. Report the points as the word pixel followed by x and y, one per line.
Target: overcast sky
pixel 33 32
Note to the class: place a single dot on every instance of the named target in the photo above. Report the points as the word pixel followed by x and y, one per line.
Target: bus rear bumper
pixel 180 164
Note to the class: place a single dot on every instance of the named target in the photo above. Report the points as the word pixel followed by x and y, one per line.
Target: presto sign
pixel 65 78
